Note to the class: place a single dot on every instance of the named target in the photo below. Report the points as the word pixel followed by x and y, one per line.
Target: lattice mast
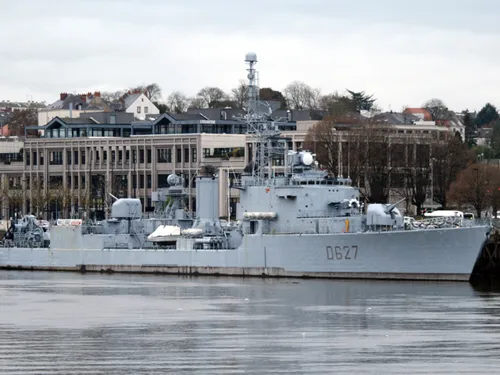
pixel 261 125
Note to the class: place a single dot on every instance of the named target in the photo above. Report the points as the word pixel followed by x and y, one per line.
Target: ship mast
pixel 262 126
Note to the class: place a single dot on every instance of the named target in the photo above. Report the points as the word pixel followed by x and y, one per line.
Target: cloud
pixel 402 52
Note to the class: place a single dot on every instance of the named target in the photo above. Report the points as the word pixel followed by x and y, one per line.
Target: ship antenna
pixel 263 127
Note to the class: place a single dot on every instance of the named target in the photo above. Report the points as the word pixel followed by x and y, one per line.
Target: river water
pixel 56 323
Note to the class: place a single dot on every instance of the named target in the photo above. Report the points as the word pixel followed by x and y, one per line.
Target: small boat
pixel 165 234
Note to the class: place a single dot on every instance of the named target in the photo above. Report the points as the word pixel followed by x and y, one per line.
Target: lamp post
pixel 476 170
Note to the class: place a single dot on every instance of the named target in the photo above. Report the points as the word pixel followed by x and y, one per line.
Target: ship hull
pixel 434 254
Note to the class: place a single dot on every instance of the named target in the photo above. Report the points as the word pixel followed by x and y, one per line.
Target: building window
pixel 186 155
pixel 194 155
pixel 141 156
pixel 206 152
pixel 178 154
pixel 138 109
pixel 68 157
pixel 55 182
pixel 162 181
pixel 56 158
pixel 35 158
pixel 149 181
pixel 146 109
pixel 75 157
pixel 28 158
pixel 148 155
pixel 164 155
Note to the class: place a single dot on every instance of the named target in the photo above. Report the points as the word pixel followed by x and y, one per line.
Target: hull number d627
pixel 341 252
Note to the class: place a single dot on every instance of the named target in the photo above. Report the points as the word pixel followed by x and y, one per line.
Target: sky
pixel 404 52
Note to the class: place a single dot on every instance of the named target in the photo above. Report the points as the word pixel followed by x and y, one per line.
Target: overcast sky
pixel 402 51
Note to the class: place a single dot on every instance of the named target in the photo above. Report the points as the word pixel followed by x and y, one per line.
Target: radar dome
pixel 173 180
pixel 307 158
pixel 251 57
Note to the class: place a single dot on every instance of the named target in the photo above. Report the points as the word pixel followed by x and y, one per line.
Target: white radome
pixel 307 158
pixel 172 180
pixel 251 57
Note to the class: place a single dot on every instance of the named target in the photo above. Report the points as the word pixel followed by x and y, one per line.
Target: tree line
pixel 58 199
pixel 418 167
pixel 297 96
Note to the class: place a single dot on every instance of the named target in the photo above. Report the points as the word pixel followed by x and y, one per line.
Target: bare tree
pixel 84 200
pixel 211 96
pixel 240 94
pixel 177 102
pixel 21 119
pixel 474 187
pixel 38 196
pixel 196 102
pixel 418 173
pixel 437 109
pixel 377 168
pixel 301 96
pixel 152 91
pixel 14 196
pixel 449 156
pixel 113 96
pixel 362 153
pixel 323 139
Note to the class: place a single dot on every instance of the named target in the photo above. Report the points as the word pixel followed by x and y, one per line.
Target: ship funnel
pixel 207 198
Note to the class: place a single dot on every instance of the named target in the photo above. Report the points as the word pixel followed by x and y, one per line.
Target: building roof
pixel 64 103
pixel 215 113
pixel 129 99
pixel 85 102
pixel 105 117
pixel 396 118
pixel 78 120
pixel 422 113
pixel 187 116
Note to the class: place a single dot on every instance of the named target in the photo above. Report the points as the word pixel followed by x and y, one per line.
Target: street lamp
pixel 477 187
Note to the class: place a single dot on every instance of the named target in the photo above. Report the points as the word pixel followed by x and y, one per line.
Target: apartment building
pixel 105 153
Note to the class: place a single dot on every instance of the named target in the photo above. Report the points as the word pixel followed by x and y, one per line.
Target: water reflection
pixel 54 323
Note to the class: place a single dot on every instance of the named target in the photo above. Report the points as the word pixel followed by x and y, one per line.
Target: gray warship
pixel 300 223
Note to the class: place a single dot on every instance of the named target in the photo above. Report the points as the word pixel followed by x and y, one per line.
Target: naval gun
pixel 381 216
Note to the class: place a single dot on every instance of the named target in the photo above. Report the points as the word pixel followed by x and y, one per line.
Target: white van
pixel 444 213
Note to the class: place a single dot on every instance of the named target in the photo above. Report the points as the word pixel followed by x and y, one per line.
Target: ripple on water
pixel 94 324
